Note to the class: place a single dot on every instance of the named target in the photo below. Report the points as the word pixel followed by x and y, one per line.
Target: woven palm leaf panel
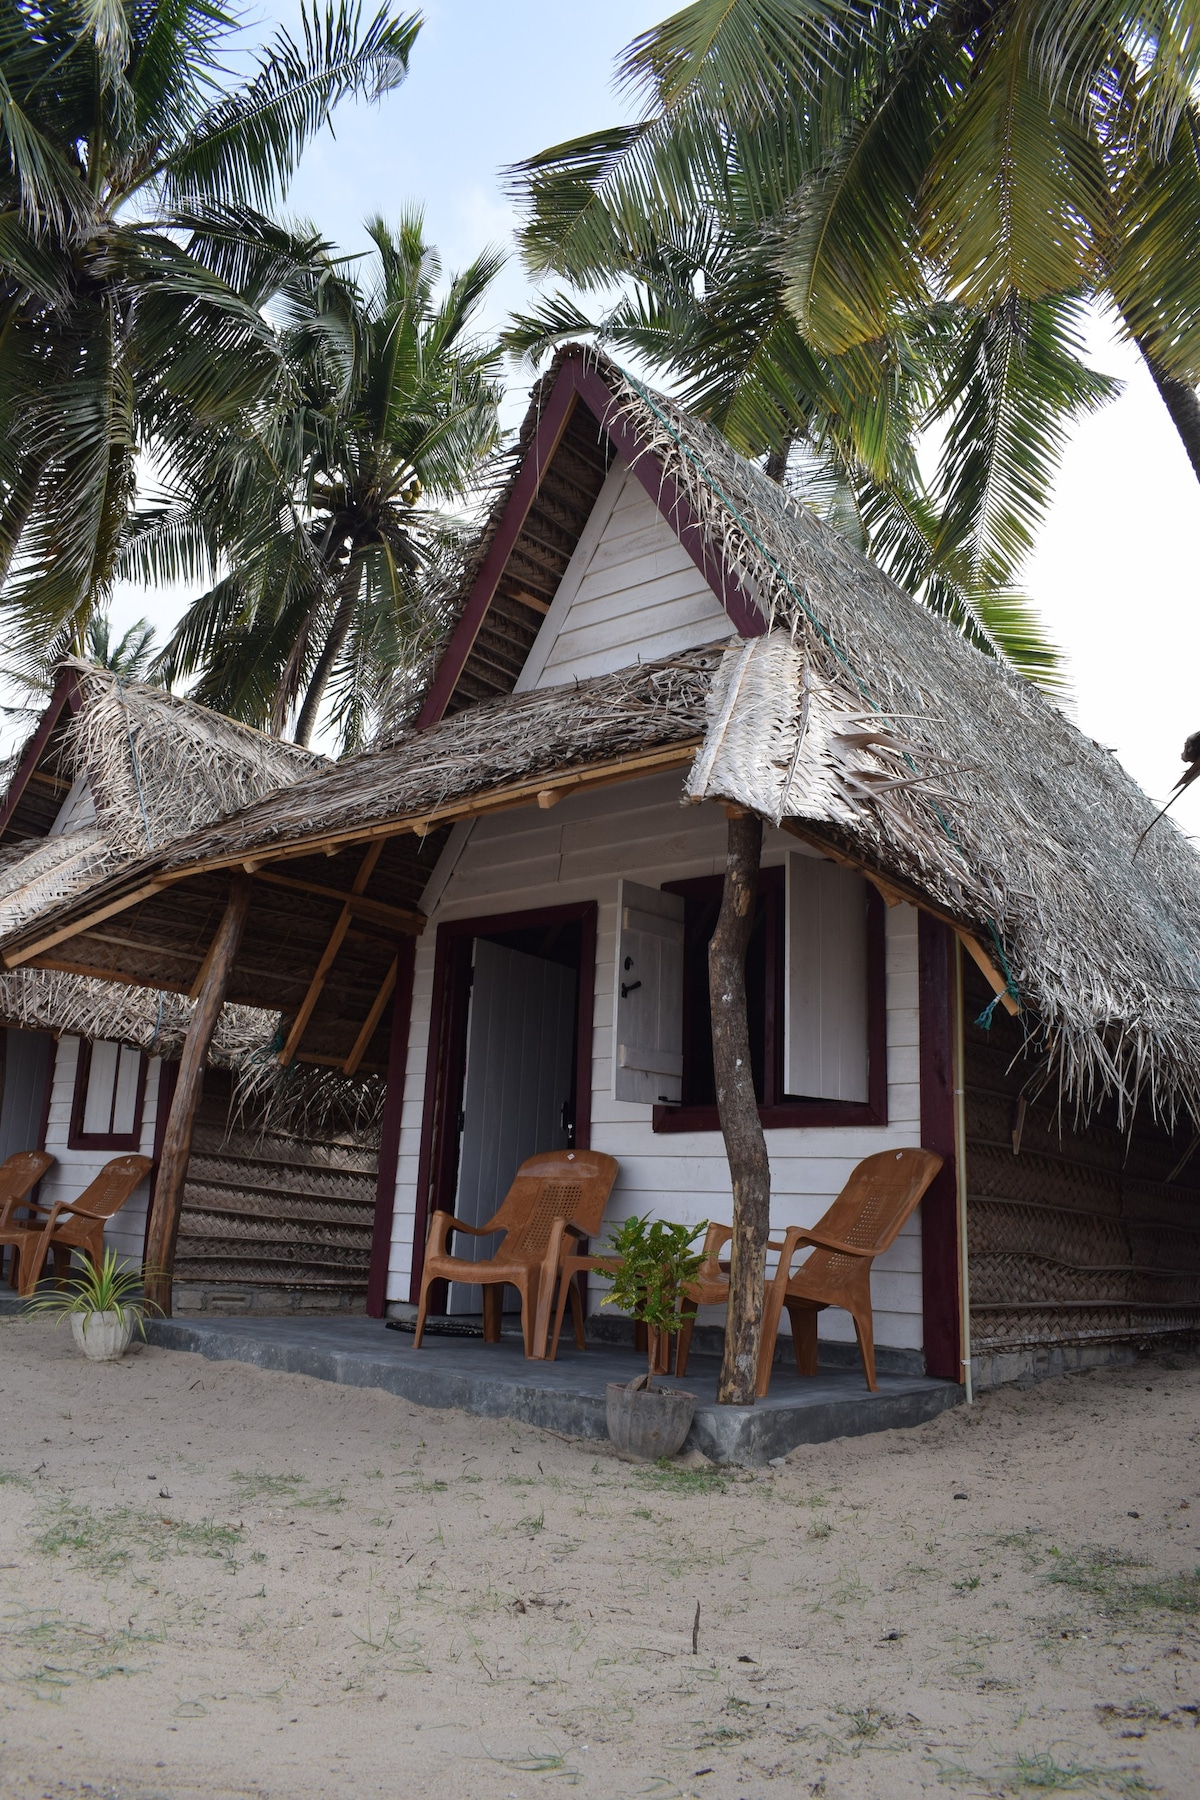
pixel 1079 1237
pixel 272 1209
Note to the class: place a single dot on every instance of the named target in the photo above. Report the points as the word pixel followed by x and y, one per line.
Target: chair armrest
pixel 441 1224
pixel 12 1206
pixel 822 1241
pixel 77 1212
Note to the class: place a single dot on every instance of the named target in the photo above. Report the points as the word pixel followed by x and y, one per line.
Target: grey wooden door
pixel 520 1032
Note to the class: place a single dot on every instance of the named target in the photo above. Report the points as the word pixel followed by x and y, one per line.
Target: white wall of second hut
pixel 578 851
pixel 74 1169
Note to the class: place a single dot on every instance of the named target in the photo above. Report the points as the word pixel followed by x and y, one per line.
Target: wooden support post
pixel 737 1104
pixel 177 1138
pixel 328 957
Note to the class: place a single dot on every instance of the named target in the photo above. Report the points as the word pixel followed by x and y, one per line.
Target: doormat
pixel 437 1327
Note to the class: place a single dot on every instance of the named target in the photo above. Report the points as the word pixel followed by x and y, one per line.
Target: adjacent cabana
pixel 113 768
pixel 517 890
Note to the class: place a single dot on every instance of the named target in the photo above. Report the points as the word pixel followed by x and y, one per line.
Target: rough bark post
pixel 1181 402
pixel 177 1139
pixel 741 1127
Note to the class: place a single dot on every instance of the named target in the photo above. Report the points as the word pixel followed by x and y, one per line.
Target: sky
pixel 1115 572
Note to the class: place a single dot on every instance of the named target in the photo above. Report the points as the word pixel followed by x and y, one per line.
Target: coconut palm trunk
pixel 737 1105
pixel 339 631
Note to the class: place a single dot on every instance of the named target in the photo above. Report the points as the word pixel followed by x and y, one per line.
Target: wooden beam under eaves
pixel 328 956
pixel 990 972
pixel 564 783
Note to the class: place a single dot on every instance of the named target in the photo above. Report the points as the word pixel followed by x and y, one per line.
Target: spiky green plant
pixel 107 1289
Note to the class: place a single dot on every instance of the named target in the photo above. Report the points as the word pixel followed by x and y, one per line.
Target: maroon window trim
pixel 77 1138
pixel 777 1112
pixel 389 1140
pixel 938 989
pixel 578 380
pixel 66 693
pixel 446 1054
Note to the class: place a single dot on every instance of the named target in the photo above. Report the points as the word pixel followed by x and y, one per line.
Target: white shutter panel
pixel 648 1002
pixel 825 1024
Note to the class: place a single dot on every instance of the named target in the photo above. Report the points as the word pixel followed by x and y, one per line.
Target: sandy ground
pixel 219 1581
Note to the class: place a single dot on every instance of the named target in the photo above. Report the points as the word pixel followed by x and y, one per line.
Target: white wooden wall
pixel 75 1168
pixel 630 593
pixel 576 852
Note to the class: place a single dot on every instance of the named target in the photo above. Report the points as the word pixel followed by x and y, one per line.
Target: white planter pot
pixel 103 1337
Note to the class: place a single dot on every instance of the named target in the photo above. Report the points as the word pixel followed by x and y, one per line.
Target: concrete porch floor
pixel 566 1396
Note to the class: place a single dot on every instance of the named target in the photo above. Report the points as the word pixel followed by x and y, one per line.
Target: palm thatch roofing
pixel 848 713
pixel 135 767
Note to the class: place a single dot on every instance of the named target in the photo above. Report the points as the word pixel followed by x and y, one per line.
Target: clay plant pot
pixel 103 1337
pixel 644 1426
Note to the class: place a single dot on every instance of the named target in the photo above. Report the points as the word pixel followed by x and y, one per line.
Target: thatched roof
pixel 155 767
pixel 548 731
pixel 857 717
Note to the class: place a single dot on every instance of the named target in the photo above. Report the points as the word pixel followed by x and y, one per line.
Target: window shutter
pixel 648 1035
pixel 825 1023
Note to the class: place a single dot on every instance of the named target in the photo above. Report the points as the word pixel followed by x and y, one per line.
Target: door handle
pixel 627 988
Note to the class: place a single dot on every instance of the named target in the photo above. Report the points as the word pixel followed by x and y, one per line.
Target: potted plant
pixel 104 1305
pixel 655 1263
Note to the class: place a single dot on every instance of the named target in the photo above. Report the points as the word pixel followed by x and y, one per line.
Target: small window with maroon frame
pixel 110 1090
pixel 815 1000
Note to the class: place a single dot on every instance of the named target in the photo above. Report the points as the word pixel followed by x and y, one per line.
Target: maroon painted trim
pixel 671 502
pixel 577 379
pixel 389 1140
pixel 550 428
pixel 66 693
pixel 77 1138
pixel 938 988
pixel 446 1056
pixel 808 1115
pixel 168 1076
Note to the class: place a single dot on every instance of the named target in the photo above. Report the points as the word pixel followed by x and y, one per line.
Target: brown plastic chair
pixel 19 1174
pixel 865 1219
pixel 710 1288
pixel 76 1224
pixel 555 1199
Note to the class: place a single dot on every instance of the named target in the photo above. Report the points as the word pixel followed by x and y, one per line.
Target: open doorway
pixel 510 1065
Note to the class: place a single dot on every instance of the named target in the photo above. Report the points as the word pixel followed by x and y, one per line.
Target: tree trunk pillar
pixel 741 1127
pixel 181 1120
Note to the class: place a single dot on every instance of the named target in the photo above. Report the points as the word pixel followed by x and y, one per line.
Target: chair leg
pixel 864 1326
pixel 559 1313
pixel 804 1336
pixel 528 1290
pixel 422 1310
pixel 577 1315
pixel 493 1311
pixel 683 1343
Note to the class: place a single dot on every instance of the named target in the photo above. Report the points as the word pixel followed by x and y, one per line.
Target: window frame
pixel 778 1112
pixel 77 1137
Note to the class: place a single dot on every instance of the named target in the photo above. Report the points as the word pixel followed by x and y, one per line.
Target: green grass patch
pixel 669 1478
pixel 1105 1576
pixel 291 1490
pixel 109 1542
pixel 1041 1773
pixel 46 1654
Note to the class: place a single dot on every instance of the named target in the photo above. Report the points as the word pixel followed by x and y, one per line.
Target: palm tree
pixel 325 501
pixel 124 150
pixel 999 157
pixel 706 308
